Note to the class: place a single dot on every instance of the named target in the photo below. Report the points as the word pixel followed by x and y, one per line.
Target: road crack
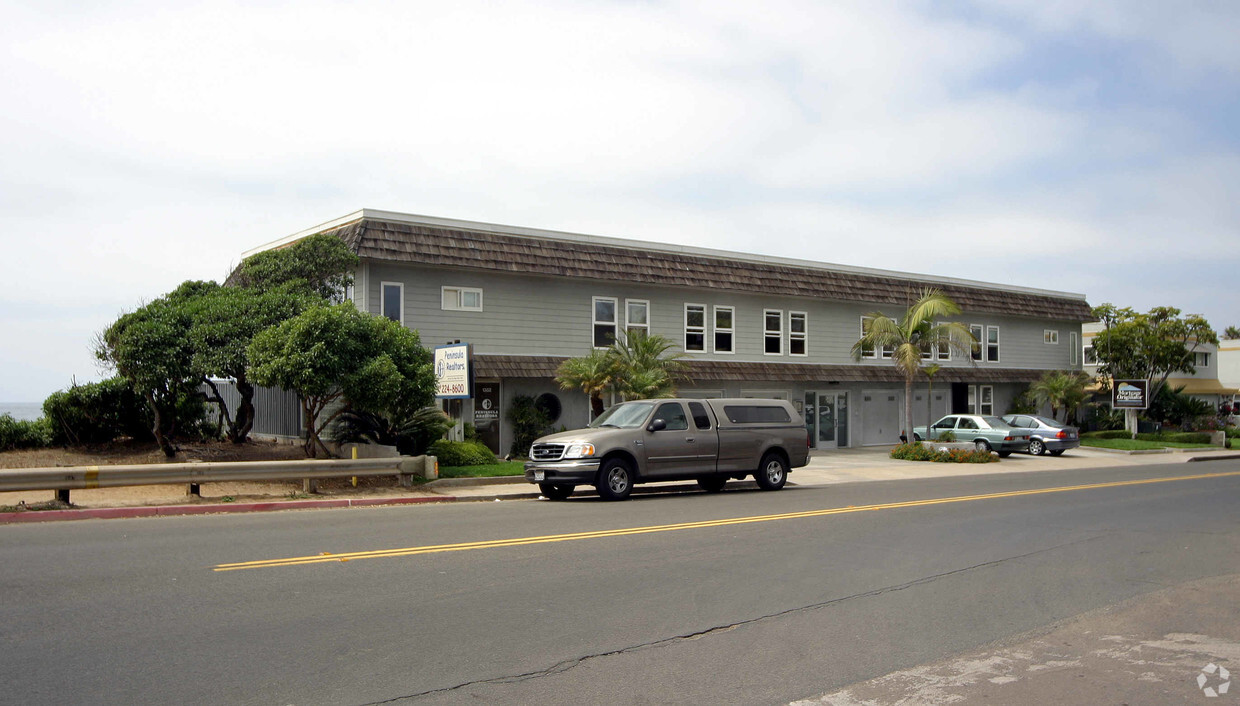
pixel 572 662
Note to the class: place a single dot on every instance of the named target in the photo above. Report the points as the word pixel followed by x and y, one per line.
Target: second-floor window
pixel 1089 356
pixel 992 344
pixel 978 332
pixel 1074 347
pixel 798 333
pixel 461 299
pixel 637 316
pixel 724 330
pixel 870 352
pixel 393 303
pixel 604 320
pixel 695 327
pixel 1201 360
pixel 773 331
pixel 1051 338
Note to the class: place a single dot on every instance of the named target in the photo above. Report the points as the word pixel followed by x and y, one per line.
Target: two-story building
pixel 750 325
pixel 1208 383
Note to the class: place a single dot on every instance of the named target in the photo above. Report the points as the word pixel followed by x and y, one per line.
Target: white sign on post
pixel 452 379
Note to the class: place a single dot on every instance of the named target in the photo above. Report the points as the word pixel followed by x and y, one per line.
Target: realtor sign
pixel 452 378
pixel 1130 394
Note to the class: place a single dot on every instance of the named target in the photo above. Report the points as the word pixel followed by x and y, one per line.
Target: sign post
pixel 1130 396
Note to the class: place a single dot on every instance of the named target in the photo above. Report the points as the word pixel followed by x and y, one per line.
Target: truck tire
pixel 712 484
pixel 772 472
pixel 555 491
pixel 615 480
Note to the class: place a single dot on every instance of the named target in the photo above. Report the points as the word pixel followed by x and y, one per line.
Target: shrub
pixel 461 453
pixel 24 434
pixel 96 413
pixel 1108 434
pixel 528 423
pixel 411 432
pixel 921 452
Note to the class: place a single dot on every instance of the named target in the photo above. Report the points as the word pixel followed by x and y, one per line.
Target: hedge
pixel 461 453
pixel 1180 437
pixel 24 434
pixel 921 452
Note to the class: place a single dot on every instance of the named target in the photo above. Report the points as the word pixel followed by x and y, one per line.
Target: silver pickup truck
pixel 643 441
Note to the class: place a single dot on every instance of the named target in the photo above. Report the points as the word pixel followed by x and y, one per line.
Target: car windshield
pixel 629 415
pixel 996 423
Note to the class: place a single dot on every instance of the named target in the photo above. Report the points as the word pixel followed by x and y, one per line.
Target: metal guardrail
pixel 65 479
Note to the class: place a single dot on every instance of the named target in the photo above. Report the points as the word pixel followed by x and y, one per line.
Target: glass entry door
pixel 826 419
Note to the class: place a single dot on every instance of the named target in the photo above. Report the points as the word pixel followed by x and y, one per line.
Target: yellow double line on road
pixel 524 541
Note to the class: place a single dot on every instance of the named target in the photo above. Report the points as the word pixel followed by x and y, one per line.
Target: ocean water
pixel 22 410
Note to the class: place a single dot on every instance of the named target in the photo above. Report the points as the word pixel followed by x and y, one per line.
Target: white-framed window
pixel 603 319
pixel 725 331
pixel 798 333
pixel 461 298
pixel 982 399
pixel 1088 355
pixel 1201 360
pixel 1050 338
pixel 695 327
pixel 870 352
pixel 637 316
pixel 773 331
pixel 978 332
pixel 938 351
pixel 992 344
pixel 1074 347
pixel 392 300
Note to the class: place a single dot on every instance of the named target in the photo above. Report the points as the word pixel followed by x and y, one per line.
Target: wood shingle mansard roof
pixel 482 247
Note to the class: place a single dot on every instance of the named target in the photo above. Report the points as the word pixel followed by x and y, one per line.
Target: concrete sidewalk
pixel 825 468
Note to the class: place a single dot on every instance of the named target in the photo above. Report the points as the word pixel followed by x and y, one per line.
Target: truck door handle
pixel 689 439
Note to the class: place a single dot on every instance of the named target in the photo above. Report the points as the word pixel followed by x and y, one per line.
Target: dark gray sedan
pixel 1046 434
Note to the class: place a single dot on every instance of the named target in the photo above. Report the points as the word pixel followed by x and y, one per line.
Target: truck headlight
pixel 579 450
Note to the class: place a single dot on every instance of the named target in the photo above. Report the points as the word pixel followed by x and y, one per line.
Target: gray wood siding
pixel 533 315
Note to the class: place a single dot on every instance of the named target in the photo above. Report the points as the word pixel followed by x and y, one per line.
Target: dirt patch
pixel 129 452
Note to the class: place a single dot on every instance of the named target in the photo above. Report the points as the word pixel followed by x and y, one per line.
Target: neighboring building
pixel 1206 384
pixel 751 325
pixel 1229 367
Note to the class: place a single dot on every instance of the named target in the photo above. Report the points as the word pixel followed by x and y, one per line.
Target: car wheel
pixel 1036 447
pixel 1057 452
pixel 772 472
pixel 982 445
pixel 555 491
pixel 712 484
pixel 615 480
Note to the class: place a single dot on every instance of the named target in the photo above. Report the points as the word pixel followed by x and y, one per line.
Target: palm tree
pixel 646 366
pixel 593 374
pixel 1061 389
pixel 918 334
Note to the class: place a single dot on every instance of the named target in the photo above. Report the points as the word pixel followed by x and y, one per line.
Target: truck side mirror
pixel 657 425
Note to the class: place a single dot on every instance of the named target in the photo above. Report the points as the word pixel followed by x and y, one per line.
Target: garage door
pixel 880 417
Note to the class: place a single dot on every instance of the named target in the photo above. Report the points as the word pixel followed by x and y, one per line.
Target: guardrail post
pixel 430 471
pixel 62 495
pixel 310 486
pixel 193 489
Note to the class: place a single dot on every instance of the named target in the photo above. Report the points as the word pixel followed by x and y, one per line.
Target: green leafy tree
pixel 150 348
pixel 1149 346
pixel 223 322
pixel 1231 332
pixel 914 338
pixel 1062 389
pixel 646 366
pixel 337 359
pixel 321 264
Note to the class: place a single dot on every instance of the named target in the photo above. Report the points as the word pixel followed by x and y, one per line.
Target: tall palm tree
pixel 593 374
pixel 918 333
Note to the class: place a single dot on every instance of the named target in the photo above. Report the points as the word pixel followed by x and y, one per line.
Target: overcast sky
pixel 1089 147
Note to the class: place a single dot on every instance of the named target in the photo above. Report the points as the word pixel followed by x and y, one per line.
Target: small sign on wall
pixel 452 372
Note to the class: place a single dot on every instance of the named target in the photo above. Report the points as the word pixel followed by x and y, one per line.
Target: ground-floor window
pixel 982 399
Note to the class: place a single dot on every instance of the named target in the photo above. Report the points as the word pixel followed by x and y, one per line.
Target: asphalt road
pixel 768 598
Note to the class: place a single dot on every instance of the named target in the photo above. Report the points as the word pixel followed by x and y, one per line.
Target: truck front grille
pixel 547 452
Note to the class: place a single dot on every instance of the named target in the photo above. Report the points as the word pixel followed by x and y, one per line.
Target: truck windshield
pixel 626 416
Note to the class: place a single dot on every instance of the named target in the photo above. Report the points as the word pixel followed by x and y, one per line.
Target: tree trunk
pixel 908 408
pixel 596 406
pixel 218 399
pixel 240 430
pixel 308 414
pixel 158 427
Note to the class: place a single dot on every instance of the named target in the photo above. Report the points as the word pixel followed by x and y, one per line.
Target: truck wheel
pixel 712 484
pixel 772 473
pixel 555 491
pixel 615 480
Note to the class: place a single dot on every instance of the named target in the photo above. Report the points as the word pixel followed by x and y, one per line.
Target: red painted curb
pixel 108 513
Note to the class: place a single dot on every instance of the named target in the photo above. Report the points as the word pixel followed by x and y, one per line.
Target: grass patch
pixel 490 470
pixel 1140 444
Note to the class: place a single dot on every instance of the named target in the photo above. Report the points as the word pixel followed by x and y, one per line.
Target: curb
pixel 1214 457
pixel 466 482
pixel 109 513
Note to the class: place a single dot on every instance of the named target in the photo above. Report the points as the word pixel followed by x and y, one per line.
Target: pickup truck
pixel 642 441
